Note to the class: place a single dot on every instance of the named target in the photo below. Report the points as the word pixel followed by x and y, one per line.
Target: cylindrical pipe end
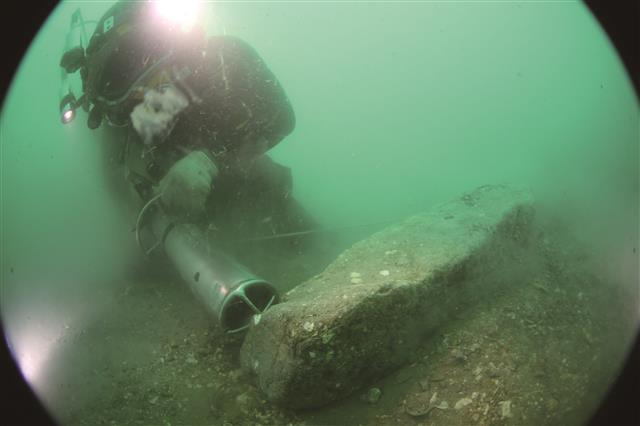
pixel 250 298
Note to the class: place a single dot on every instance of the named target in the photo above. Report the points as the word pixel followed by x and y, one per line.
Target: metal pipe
pixel 229 291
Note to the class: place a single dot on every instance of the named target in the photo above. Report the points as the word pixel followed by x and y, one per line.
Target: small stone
pixel 417 405
pixel 462 403
pixel 356 280
pixel 308 326
pixel 373 395
pixel 384 273
pixel 191 359
pixel 505 409
pixel 444 405
pixel 355 275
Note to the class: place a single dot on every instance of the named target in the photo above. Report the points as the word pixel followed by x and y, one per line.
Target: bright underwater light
pixel 67 108
pixel 68 116
pixel 182 13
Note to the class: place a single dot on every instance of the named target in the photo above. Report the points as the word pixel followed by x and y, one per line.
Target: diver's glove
pixel 155 117
pixel 186 186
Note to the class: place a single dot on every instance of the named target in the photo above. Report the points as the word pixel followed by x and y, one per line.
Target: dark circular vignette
pixel 620 21
pixel 19 405
pixel 25 20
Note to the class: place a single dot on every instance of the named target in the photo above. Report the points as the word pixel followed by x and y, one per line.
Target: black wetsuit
pixel 236 103
pixel 239 102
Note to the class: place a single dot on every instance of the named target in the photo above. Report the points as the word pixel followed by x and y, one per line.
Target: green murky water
pixel 399 106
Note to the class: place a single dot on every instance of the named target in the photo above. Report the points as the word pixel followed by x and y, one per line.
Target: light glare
pixel 181 13
pixel 67 116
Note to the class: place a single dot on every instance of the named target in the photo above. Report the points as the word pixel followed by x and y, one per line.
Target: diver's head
pixel 132 50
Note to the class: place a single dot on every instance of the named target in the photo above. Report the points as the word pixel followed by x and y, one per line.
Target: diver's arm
pixel 185 188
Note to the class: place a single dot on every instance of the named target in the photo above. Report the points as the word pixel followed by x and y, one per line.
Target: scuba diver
pixel 190 118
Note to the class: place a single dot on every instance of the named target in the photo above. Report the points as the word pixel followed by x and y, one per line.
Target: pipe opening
pixel 249 299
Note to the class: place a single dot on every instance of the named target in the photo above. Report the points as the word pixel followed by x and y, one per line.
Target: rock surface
pixel 352 324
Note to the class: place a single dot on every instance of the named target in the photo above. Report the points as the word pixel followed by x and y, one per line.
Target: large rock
pixel 362 317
